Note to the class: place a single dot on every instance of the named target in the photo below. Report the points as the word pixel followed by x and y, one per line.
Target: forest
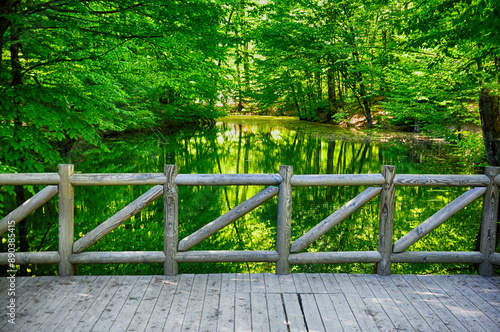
pixel 75 72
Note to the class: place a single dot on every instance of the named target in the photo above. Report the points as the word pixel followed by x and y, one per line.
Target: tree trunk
pixel 368 112
pixel 5 9
pixel 489 108
pixel 319 87
pixel 331 94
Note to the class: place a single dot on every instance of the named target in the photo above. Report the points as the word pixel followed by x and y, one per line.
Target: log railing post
pixel 386 222
pixel 171 207
pixel 489 222
pixel 66 220
pixel 284 220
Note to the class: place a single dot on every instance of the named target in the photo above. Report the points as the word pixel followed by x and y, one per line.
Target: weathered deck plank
pixel 194 309
pixel 328 313
pixel 179 304
pixel 437 306
pixel 68 304
pixel 421 306
pixel 260 316
pixel 406 306
pixel 211 304
pixel 373 307
pixel 163 305
pixel 392 310
pixel 312 315
pixel 476 313
pixel 242 312
pixel 277 317
pixel 52 299
pixel 114 306
pixel 260 302
pixel 294 313
pixel 129 308
pixel 85 300
pixel 94 312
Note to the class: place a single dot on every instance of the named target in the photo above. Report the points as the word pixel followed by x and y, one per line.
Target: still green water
pixel 260 145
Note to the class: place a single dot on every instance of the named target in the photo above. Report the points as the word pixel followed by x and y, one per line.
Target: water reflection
pixel 250 145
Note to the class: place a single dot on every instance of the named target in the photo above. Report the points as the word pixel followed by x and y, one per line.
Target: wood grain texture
pixel 335 218
pixel 66 220
pixel 227 179
pixel 28 207
pixel 337 180
pixel 437 219
pixel 118 257
pixel 227 218
pixel 386 221
pixel 438 180
pixel 117 179
pixel 471 257
pixel 495 258
pixel 227 302
pixel 487 244
pixel 170 219
pixel 23 179
pixel 284 220
pixel 23 258
pixel 335 257
pixel 117 219
pixel 201 256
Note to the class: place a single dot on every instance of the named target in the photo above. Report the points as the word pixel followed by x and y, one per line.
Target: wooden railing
pixel 71 253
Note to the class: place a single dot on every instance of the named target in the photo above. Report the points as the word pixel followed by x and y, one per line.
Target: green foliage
pixel 469 150
pixel 76 70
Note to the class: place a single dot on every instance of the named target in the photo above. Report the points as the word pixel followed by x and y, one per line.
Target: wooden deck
pixel 255 302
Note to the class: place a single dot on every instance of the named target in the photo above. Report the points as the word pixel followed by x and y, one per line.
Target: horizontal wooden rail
pixel 421 180
pixel 117 179
pixel 337 180
pixel 227 179
pixel 121 179
pixel 495 258
pixel 214 256
pixel 118 257
pixel 71 253
pixel 335 257
pixel 466 257
pixel 23 258
pixel 25 179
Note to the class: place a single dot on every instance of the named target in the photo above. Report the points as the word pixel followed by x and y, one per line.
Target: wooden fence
pixel 71 253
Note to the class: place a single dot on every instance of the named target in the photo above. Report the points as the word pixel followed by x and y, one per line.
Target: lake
pixel 243 144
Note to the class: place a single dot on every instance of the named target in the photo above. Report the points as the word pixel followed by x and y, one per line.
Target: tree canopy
pixel 73 70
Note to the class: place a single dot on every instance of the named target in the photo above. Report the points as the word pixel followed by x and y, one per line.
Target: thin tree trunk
pixel 319 87
pixel 331 94
pixel 362 92
pixel 329 157
pixel 296 101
